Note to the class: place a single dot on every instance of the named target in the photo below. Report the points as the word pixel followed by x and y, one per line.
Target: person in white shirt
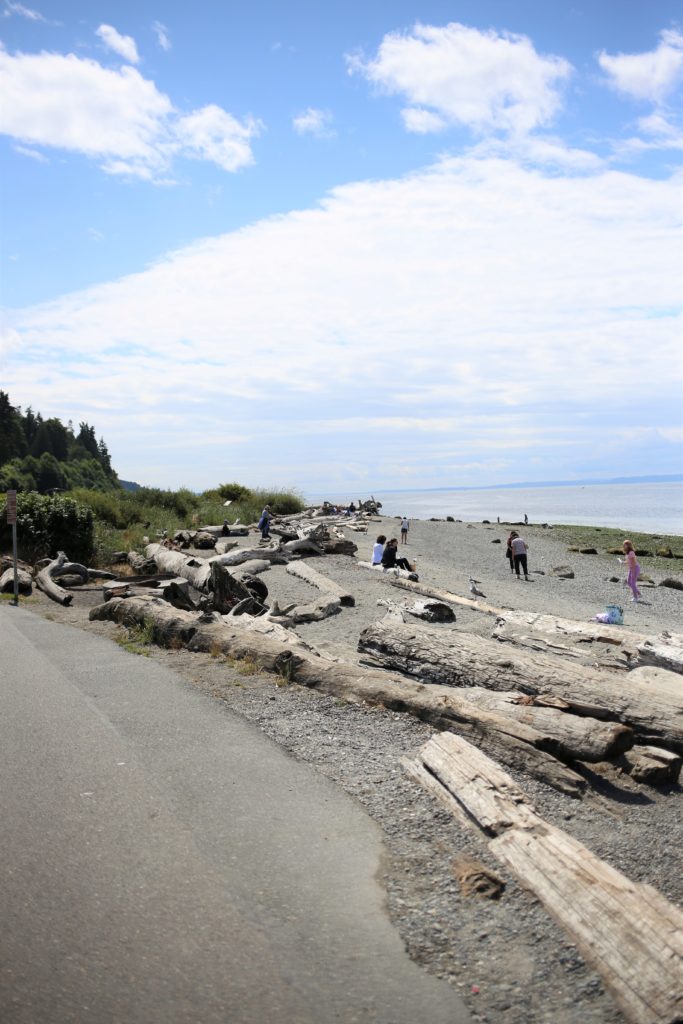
pixel 519 550
pixel 404 530
pixel 378 549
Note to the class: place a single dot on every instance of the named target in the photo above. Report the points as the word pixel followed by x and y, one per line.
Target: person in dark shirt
pixel 389 556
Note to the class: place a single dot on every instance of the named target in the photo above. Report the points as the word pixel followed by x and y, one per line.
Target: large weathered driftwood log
pixel 46 583
pixel 650 704
pixel 24 582
pixel 196 570
pixel 428 611
pixel 445 595
pixel 627 931
pixel 306 572
pixel 516 743
pixel 664 650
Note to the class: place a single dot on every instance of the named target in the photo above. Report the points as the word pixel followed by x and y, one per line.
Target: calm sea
pixel 649 508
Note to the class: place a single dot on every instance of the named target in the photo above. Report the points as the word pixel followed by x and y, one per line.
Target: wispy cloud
pixel 123 45
pixel 488 81
pixel 313 121
pixel 115 116
pixel 21 11
pixel 447 319
pixel 162 35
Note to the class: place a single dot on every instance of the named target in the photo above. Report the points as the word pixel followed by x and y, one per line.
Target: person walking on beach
pixel 519 550
pixel 633 569
pixel 389 559
pixel 508 552
pixel 404 530
pixel 378 549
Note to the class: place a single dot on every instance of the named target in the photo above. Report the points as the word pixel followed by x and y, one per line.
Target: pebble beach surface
pixel 507 957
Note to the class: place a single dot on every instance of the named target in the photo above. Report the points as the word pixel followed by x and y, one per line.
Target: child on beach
pixel 404 530
pixel 633 569
pixel 377 549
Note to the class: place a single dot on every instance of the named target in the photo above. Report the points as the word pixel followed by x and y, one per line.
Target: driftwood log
pixel 392 574
pixel 304 571
pixel 428 611
pixel 627 931
pixel 516 743
pixel 45 581
pixel 24 582
pixel 650 703
pixel 664 650
pixel 444 595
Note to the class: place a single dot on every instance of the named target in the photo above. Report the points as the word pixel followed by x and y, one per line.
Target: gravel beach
pixel 507 957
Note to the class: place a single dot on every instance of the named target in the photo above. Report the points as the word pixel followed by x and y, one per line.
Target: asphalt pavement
pixel 162 861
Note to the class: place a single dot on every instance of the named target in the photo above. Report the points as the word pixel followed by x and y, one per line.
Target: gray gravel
pixel 507 957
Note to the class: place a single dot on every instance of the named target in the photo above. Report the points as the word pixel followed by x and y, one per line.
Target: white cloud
pixel 421 121
pixel 485 80
pixel 491 304
pixel 123 45
pixel 161 33
pixel 647 76
pixel 116 116
pixel 313 122
pixel 213 134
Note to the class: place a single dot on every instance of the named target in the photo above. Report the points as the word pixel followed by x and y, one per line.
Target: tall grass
pixel 124 518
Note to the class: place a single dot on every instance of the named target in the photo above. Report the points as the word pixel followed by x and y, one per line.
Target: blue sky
pixel 347 246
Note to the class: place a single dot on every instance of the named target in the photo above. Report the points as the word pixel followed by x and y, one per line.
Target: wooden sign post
pixel 12 519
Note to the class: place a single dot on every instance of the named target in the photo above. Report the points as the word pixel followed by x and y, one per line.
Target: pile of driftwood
pixel 550 697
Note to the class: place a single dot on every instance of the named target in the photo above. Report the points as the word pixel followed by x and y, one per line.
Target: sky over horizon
pixel 347 247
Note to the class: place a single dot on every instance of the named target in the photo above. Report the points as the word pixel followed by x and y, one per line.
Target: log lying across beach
pixel 527 740
pixel 627 931
pixel 306 572
pixel 647 700
pixel 555 634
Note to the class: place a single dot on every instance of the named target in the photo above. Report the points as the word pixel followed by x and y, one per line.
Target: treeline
pixel 43 455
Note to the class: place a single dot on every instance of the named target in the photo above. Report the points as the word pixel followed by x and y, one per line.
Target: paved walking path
pixel 161 861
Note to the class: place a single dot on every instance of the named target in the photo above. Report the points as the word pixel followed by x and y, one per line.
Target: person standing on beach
pixel 378 549
pixel 404 530
pixel 264 523
pixel 633 569
pixel 519 550
pixel 508 553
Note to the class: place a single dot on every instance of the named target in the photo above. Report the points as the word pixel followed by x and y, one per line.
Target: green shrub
pixel 46 525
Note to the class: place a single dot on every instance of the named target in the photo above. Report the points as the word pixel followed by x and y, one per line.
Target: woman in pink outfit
pixel 633 569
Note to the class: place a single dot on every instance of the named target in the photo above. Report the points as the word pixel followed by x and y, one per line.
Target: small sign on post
pixel 12 520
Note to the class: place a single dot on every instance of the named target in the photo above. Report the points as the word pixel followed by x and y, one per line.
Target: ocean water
pixel 648 508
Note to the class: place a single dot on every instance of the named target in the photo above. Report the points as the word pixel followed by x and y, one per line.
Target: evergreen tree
pixel 12 439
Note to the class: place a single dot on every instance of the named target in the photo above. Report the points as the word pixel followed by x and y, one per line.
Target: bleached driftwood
pixel 143 566
pixel 664 650
pixel 518 744
pixel 45 581
pixel 429 611
pixel 293 614
pixel 306 572
pixel 24 582
pixel 196 570
pixel 652 765
pixel 444 595
pixel 650 704
pixel 395 573
pixel 627 931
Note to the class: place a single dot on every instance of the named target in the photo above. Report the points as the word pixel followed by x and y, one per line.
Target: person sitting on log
pixel 377 549
pixel 390 559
